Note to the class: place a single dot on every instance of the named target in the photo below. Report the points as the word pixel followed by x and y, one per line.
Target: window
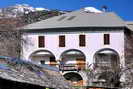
pixel 106 39
pixel 62 41
pixel 63 17
pixel 72 17
pixel 82 40
pixel 41 41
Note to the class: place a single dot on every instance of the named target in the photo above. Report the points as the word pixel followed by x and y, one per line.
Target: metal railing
pixel 103 64
pixel 69 67
pixel 80 66
pixel 72 67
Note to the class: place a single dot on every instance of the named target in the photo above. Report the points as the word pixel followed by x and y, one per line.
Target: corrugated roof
pixel 79 18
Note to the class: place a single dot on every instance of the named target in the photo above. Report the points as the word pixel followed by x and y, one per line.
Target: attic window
pixel 61 18
pixel 72 17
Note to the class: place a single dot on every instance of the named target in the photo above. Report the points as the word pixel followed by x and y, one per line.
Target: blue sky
pixel 124 8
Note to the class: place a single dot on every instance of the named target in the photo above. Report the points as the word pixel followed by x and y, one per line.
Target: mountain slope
pixel 28 13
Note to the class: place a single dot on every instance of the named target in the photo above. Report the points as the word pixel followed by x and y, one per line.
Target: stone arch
pixel 43 57
pixel 107 57
pixel 110 49
pixel 75 78
pixel 69 50
pixel 74 57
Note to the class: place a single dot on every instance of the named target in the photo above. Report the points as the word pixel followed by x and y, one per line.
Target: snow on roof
pixel 92 9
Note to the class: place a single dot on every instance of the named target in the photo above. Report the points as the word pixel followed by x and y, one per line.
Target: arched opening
pixel 43 57
pixel 73 59
pixel 107 59
pixel 74 78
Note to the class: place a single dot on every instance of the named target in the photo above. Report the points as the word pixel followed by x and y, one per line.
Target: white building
pixel 77 39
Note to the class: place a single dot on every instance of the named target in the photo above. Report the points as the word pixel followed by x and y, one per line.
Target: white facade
pixel 94 43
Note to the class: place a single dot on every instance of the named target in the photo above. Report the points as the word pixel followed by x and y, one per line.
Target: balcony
pixel 103 65
pixel 106 66
pixel 72 60
pixel 72 67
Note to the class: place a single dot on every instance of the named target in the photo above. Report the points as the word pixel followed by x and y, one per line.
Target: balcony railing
pixel 105 66
pixel 72 67
pixel 80 66
pixel 68 67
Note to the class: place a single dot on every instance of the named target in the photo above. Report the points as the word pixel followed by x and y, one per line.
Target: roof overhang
pixel 74 29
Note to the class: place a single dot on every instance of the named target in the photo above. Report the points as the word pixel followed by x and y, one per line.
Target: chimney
pixel 104 8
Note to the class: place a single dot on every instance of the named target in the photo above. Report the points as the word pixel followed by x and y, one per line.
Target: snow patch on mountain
pixel 19 10
pixel 41 9
pixel 23 8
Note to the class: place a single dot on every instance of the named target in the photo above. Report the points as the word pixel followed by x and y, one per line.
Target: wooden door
pixel 52 61
pixel 80 63
pixel 79 83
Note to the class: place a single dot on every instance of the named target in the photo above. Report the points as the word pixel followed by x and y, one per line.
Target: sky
pixel 123 8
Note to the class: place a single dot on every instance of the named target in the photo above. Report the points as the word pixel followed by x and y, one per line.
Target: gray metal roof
pixel 130 25
pixel 79 18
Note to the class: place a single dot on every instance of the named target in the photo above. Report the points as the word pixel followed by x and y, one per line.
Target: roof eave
pixel 94 28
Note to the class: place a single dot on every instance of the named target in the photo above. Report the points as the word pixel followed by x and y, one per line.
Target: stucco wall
pixel 94 42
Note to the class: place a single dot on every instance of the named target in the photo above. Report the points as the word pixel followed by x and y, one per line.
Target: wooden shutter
pixel 62 41
pixel 41 41
pixel 106 39
pixel 82 40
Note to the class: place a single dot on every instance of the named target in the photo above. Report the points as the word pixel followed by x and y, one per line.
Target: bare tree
pixel 10 37
pixel 121 77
